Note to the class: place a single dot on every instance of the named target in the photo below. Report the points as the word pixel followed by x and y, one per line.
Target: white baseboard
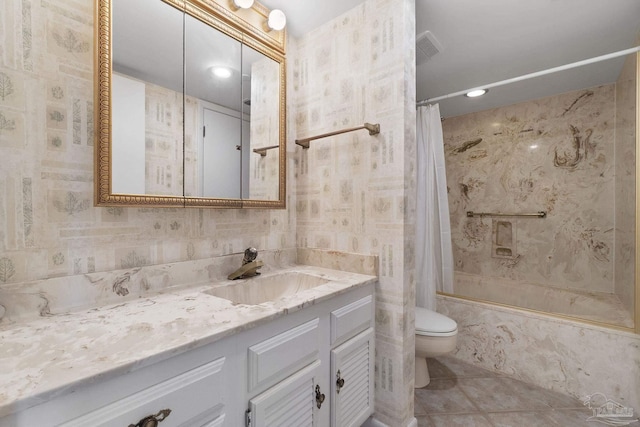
pixel 372 422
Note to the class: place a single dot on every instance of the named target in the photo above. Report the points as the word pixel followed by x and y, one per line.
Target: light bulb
pixel 243 4
pixel 277 20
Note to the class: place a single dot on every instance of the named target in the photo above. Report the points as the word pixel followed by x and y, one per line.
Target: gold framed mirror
pixel 191 105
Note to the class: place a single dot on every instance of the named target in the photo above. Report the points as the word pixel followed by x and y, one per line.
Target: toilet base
pixel 421 375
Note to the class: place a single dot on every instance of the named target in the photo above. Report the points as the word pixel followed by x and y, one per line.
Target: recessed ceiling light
pixel 221 72
pixel 477 92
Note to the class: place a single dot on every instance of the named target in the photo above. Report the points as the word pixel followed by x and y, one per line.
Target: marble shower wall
pixel 625 230
pixel 48 225
pixel 355 191
pixel 554 154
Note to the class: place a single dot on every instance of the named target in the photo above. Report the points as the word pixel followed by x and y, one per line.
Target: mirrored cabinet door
pixel 261 95
pixel 191 106
pixel 214 120
pixel 147 98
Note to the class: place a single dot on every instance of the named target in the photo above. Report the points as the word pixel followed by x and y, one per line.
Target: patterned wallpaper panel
pixel 48 225
pixel 353 189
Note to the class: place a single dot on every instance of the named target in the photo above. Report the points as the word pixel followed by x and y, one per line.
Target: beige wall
pixel 355 192
pixel 48 225
pixel 554 154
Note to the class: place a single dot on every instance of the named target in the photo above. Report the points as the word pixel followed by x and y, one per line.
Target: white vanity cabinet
pixel 313 367
pixel 318 371
pixel 195 389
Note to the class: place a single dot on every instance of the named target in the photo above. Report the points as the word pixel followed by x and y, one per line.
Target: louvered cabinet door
pixel 352 381
pixel 290 403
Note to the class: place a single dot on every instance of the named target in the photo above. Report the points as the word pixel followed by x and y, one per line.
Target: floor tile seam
pixel 464 393
pixel 416 402
pixel 514 392
pixel 537 413
pixel 486 417
pixel 456 377
pixel 512 383
pixel 516 411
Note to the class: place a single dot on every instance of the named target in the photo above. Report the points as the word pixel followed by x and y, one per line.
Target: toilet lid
pixel 431 323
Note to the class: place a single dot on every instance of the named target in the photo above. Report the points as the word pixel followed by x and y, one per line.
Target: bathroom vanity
pixel 216 354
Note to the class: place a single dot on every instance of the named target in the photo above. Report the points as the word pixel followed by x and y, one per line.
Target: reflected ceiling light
pixel 242 4
pixel 221 72
pixel 477 92
pixel 277 20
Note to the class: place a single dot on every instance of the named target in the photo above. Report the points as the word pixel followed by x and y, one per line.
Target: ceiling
pixel 492 40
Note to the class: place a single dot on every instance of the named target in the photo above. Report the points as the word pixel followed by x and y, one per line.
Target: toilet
pixel 436 335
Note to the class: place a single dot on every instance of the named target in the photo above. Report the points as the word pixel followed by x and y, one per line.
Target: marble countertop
pixel 49 356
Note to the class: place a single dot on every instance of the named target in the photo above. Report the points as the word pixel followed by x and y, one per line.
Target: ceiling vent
pixel 426 47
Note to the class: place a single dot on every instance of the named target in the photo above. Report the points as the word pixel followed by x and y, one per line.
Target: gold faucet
pixel 249 265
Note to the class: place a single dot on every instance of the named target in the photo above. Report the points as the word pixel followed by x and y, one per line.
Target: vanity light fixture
pixel 221 72
pixel 476 92
pixel 277 20
pixel 241 4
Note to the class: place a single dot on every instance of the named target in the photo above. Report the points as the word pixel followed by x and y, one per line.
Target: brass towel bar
pixel 540 214
pixel 263 151
pixel 373 129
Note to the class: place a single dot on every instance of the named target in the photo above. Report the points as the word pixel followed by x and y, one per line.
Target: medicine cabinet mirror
pixel 191 105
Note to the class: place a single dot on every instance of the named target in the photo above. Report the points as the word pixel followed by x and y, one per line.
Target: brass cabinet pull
pixel 319 396
pixel 339 382
pixel 152 420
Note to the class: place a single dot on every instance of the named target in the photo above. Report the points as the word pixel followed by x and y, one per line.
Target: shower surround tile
pixel 555 154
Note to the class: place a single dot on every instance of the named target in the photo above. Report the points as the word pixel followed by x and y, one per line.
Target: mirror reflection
pixel 195 112
pixel 147 126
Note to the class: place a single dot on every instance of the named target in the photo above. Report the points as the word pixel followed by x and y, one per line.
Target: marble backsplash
pixel 554 154
pixel 55 296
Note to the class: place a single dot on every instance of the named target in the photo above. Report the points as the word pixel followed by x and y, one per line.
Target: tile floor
pixel 463 395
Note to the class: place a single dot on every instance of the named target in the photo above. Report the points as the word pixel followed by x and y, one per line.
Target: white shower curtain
pixel 434 257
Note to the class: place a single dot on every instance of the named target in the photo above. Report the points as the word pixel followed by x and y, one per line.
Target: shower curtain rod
pixel 532 75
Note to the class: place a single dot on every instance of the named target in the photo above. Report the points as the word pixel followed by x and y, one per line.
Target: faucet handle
pixel 250 254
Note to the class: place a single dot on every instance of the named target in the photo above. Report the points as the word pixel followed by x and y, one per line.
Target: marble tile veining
pixel 573 358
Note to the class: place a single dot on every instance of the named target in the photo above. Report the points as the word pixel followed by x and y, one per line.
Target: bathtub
pixel 568 356
pixel 597 307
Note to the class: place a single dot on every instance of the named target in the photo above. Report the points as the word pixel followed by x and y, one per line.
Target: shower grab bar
pixel 539 214
pixel 263 151
pixel 373 129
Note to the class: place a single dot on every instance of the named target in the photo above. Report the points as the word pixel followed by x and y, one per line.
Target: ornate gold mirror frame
pixel 245 25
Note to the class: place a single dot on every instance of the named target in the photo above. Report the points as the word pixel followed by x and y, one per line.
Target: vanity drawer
pixel 350 320
pixel 194 398
pixel 276 358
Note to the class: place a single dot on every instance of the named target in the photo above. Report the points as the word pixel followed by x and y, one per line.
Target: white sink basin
pixel 257 290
